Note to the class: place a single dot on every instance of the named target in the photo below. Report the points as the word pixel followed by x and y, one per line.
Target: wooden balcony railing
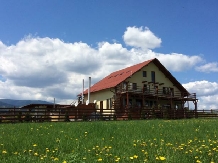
pixel 157 92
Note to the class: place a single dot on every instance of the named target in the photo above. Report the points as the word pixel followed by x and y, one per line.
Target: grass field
pixel 175 141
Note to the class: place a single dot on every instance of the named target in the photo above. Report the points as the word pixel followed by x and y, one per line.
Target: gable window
pixel 152 76
pixel 144 73
pixel 134 86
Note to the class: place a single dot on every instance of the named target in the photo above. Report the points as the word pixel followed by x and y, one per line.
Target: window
pixel 168 91
pixel 144 73
pixel 153 76
pixel 134 86
pixel 146 88
pixel 164 90
pixel 107 105
pixel 171 91
pixel 124 85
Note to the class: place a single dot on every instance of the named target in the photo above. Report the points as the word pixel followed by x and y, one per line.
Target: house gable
pixel 120 76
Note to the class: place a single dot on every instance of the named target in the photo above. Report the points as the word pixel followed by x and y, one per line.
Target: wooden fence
pixel 15 115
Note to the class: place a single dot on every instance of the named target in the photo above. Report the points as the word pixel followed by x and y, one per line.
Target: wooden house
pixel 147 85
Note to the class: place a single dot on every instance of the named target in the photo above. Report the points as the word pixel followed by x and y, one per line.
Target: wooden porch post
pixel 196 113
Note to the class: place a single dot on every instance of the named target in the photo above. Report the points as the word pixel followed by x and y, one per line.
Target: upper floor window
pixel 146 88
pixel 134 86
pixel 153 76
pixel 144 73
pixel 168 91
pixel 124 85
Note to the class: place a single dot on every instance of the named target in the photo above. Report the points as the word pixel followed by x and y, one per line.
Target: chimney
pixel 82 92
pixel 89 89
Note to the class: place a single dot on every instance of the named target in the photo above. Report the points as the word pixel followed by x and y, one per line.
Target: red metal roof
pixel 117 77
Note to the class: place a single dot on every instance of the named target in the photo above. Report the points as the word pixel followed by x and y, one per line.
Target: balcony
pixel 147 91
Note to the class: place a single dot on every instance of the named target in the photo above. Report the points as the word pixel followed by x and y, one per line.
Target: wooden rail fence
pixel 15 115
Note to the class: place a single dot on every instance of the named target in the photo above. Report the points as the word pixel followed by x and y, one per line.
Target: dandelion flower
pixel 56 159
pixel 162 158
pixel 100 159
pixel 131 158
pixel 64 161
pixel 4 152
pixel 135 156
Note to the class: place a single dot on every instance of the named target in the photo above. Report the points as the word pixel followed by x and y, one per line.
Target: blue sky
pixel 97 29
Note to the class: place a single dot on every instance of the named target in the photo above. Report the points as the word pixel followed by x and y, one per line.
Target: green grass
pixel 175 141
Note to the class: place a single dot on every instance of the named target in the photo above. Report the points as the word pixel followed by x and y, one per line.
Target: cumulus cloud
pixel 207 93
pixel 202 88
pixel 209 67
pixel 44 68
pixel 141 38
pixel 179 62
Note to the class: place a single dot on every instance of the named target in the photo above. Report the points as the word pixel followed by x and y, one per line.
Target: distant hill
pixel 9 103
pixel 5 105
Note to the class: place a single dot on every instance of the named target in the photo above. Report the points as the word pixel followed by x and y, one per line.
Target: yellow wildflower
pixel 162 158
pixel 4 151
pixel 56 159
pixel 135 156
pixel 100 159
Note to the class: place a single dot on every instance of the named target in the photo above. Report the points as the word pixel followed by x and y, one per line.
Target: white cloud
pixel 44 68
pixel 141 38
pixel 209 67
pixel 178 62
pixel 207 93
pixel 202 88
